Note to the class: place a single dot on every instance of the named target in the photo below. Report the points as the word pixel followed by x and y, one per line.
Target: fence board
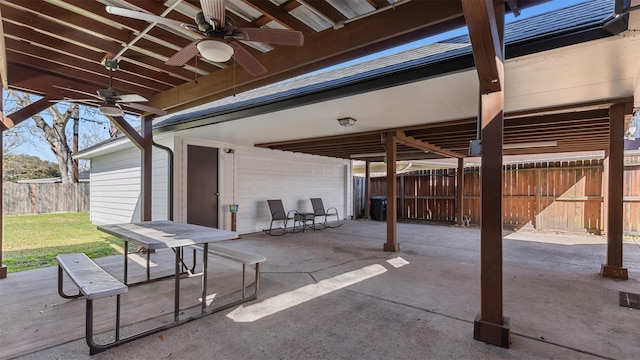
pixel 20 199
pixel 566 196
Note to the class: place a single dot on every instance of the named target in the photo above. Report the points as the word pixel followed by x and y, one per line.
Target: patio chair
pixel 279 214
pixel 319 211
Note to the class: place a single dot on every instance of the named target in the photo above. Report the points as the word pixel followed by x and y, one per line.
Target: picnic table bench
pixel 243 257
pixel 94 283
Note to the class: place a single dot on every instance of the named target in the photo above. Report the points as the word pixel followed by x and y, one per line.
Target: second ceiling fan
pixel 218 36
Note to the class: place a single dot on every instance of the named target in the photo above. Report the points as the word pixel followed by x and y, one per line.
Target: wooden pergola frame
pixel 485 21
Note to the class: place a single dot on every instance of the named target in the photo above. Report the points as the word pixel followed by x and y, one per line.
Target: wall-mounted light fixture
pixel 346 121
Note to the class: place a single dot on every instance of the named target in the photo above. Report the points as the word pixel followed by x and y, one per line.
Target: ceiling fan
pixel 109 101
pixel 218 34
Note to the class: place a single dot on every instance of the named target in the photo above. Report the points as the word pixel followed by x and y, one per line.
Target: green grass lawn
pixel 33 241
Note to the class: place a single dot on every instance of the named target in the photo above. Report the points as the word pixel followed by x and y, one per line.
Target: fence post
pixel 537 187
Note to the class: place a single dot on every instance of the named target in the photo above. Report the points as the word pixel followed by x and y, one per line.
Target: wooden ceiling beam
pixel 333 140
pixel 326 9
pixel 564 118
pixel 26 112
pixel 39 11
pixel 27 20
pixel 128 130
pixel 65 49
pixel 588 127
pixel 110 45
pixel 402 138
pixel 3 56
pixel 73 68
pixel 377 4
pixel 39 83
pixel 279 15
pixel 290 5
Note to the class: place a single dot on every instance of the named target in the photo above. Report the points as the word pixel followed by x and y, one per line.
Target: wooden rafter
pixel 129 131
pixel 26 112
pixel 325 8
pixel 3 57
pixel 402 138
pixel 279 15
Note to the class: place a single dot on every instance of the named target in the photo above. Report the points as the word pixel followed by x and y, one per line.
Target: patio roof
pixel 449 135
pixel 52 46
pixel 574 24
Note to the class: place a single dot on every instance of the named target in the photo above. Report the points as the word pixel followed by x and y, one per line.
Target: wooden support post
pixel 486 31
pixel 490 325
pixel 615 174
pixel 146 166
pixel 3 268
pixel 367 190
pixel 537 198
pixel 392 190
pixel 460 192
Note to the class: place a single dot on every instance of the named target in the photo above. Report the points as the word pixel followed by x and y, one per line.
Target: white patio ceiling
pixel 597 70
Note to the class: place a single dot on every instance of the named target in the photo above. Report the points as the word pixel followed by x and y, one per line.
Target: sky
pixel 41 149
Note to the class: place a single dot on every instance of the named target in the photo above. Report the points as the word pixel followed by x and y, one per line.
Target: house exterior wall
pixel 249 176
pixel 115 187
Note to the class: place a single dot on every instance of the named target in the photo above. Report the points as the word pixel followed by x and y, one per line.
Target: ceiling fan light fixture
pixel 216 51
pixel 111 110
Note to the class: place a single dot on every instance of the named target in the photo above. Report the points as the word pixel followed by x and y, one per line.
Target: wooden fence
pixel 19 199
pixel 566 196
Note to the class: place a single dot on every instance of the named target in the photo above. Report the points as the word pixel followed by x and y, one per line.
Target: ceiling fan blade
pixel 181 57
pixel 146 108
pixel 131 98
pixel 214 9
pixel 78 91
pixel 145 16
pixel 246 60
pixel 272 36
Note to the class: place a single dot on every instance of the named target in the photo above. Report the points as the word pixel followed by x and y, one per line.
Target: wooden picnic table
pixel 154 235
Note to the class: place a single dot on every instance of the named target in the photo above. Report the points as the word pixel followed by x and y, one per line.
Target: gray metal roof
pixel 578 18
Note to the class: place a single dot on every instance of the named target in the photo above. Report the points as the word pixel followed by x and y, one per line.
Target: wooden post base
pixel 490 333
pixel 391 247
pixel 614 272
pixel 3 271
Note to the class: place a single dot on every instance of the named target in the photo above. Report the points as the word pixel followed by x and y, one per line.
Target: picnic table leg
pixel 205 264
pixel 148 265
pixel 176 300
pixel 118 318
pixel 126 261
pixel 244 267
pixel 61 286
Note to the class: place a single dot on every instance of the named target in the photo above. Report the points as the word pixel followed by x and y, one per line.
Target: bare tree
pixel 55 133
pixel 90 128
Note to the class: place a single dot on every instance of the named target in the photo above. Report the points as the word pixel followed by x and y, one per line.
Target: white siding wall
pixel 115 187
pixel 262 174
pixel 267 174
pixel 248 176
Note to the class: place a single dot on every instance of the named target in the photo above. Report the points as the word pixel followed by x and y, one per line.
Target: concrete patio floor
pixel 334 294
